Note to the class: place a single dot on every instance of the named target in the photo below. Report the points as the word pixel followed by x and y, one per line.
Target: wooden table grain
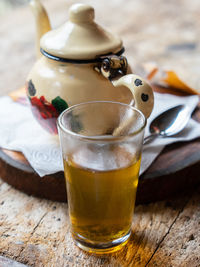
pixel 34 231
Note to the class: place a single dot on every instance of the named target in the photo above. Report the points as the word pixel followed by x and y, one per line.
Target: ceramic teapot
pixel 80 62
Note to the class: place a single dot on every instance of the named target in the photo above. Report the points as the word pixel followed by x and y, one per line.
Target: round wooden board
pixel 175 170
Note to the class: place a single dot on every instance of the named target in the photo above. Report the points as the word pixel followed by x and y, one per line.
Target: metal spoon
pixel 169 123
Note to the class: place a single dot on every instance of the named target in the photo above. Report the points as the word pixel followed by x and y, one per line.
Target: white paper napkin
pixel 19 131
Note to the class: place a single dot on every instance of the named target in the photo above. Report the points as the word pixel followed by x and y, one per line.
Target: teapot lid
pixel 80 38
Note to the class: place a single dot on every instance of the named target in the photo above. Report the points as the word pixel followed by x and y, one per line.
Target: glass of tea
pixel 101 171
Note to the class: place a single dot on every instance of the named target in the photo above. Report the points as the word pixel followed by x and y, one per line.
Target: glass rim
pixel 94 138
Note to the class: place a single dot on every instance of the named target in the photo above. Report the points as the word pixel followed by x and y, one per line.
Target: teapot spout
pixel 42 22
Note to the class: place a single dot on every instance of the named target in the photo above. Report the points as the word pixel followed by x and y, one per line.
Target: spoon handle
pixel 149 138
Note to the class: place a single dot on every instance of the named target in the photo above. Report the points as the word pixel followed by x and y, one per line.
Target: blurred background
pixel 165 32
pixel 6 5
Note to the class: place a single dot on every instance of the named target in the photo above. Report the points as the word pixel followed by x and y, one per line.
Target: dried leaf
pixel 19 95
pixel 181 79
pixel 174 81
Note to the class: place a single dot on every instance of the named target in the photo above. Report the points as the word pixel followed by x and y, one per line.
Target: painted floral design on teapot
pixel 45 112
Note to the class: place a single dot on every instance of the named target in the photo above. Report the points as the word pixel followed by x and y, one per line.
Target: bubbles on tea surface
pixel 104 158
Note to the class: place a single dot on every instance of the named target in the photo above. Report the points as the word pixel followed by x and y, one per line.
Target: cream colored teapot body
pixel 80 62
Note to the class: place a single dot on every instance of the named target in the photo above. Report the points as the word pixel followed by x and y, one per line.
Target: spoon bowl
pixel 168 123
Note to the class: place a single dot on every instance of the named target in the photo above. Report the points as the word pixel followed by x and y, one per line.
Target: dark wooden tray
pixel 175 170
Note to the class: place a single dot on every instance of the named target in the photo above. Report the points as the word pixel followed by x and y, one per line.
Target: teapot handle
pixel 141 91
pixel 114 68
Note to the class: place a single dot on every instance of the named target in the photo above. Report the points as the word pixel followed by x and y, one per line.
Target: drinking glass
pixel 101 171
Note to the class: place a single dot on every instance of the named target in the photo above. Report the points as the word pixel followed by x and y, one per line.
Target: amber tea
pixel 101 202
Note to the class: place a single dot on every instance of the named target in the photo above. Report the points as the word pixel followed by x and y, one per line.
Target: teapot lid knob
pixel 80 13
pixel 80 38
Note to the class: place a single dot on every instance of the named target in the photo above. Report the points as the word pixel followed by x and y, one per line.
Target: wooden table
pixel 35 231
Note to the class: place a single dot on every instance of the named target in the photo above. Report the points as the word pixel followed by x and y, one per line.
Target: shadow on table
pixel 132 253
